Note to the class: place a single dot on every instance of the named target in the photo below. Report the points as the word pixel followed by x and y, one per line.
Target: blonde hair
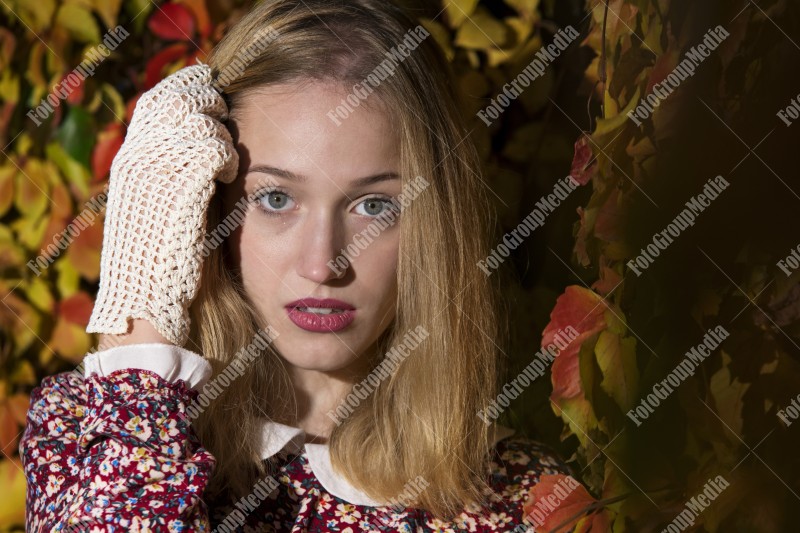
pixel 422 419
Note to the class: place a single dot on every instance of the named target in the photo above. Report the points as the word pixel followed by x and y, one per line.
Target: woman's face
pixel 315 186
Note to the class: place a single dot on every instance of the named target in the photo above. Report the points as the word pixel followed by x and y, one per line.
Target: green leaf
pixel 77 135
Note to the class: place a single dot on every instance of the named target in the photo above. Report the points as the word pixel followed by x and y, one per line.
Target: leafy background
pixel 634 330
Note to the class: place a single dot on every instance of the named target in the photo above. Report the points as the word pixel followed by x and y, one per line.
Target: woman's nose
pixel 319 248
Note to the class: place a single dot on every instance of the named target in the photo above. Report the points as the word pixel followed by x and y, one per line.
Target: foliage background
pixel 722 271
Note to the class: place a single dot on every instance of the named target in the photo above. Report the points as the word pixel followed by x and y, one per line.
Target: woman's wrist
pixel 141 331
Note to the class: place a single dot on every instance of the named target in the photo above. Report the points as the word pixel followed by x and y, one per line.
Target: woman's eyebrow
pixel 286 174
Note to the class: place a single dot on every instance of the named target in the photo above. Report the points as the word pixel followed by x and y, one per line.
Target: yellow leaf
pixel 614 120
pixel 79 22
pixel 36 14
pixel 68 279
pixel 70 340
pixel 11 254
pixel 30 231
pixel 108 11
pixel 24 374
pixel 7 174
pixel 441 35
pixel 32 190
pixel 18 317
pixel 482 31
pixel 616 357
pixel 77 175
pixel 9 87
pixel 728 394
pixel 12 504
pixel 458 10
pixel 526 8
pixel 38 294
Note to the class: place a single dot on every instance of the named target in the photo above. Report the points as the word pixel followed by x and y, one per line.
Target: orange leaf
pixel 583 310
pixel 76 309
pixel 200 12
pixel 12 504
pixel 108 143
pixel 554 501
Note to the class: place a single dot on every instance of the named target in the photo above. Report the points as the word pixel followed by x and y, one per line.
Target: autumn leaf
pixel 108 144
pixel 583 166
pixel 584 311
pixel 172 22
pixel 12 504
pixel 556 501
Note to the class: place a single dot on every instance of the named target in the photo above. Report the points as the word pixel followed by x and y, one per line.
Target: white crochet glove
pixel 160 185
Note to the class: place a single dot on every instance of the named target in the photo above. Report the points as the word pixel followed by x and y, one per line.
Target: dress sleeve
pixel 109 447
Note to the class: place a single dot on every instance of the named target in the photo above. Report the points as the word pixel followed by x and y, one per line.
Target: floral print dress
pixel 111 451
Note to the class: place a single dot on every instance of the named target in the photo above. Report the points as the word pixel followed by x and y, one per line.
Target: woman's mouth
pixel 320 316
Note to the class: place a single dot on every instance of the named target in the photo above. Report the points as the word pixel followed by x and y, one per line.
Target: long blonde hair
pixel 422 419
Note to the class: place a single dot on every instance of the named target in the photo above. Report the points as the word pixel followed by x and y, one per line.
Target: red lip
pixel 321 323
pixel 329 303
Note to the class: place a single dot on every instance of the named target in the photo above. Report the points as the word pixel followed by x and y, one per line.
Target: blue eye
pixel 272 201
pixel 374 207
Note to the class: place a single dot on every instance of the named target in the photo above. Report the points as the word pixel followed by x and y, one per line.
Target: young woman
pixel 295 334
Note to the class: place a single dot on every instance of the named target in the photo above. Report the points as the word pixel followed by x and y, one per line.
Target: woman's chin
pixel 322 356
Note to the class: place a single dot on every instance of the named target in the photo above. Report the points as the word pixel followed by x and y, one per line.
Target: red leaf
pixel 154 71
pixel 172 22
pixel 108 143
pixel 555 499
pixel 77 308
pixel 75 97
pixel 583 168
pixel 609 224
pixel 584 311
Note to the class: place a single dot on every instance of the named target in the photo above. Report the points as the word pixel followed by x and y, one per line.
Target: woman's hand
pixel 160 185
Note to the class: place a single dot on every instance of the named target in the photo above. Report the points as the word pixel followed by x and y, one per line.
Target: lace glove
pixel 160 185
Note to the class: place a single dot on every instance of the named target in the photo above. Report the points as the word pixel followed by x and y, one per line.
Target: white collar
pixel 276 437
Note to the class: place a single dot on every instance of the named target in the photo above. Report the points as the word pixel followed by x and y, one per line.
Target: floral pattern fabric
pixel 113 453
